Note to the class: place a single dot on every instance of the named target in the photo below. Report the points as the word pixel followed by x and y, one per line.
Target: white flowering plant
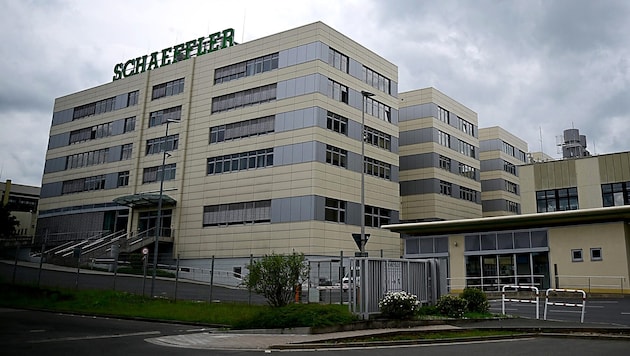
pixel 399 305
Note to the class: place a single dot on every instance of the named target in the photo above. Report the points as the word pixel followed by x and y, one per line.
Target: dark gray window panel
pixel 394 144
pixel 423 160
pixel 294 209
pixel 298 86
pixel 297 153
pixel 294 120
pixel 353 214
pixel 394 116
pixel 395 217
pixel 491 165
pixel 50 190
pixel 418 111
pixel 418 136
pixel 394 174
pixel 354 130
pixel 302 54
pixel 355 69
pixel 354 162
pixel 55 165
pixel 111 180
pixel 492 185
pixel 496 205
pixel 419 186
pixel 122 101
pixel 118 127
pixel 114 154
pixel 63 116
pixel 60 140
pixel 456 194
pixel 490 145
pixel 320 207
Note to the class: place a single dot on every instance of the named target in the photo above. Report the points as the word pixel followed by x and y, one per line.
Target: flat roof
pixel 515 222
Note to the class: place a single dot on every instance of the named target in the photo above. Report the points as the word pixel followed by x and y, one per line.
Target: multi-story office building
pixel 258 146
pixel 501 153
pixel 439 158
pixel 21 201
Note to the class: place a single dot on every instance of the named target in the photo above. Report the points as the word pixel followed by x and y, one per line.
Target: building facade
pixel 22 202
pixel 439 158
pixel 257 147
pixel 501 153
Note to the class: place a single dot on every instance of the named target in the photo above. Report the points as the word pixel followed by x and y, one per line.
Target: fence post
pixel 176 276
pixel 211 278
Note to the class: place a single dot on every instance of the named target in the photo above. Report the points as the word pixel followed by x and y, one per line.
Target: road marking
pixel 95 337
pixel 625 313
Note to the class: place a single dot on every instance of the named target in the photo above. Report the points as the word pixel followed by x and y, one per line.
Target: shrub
pixel 398 305
pixel 477 300
pixel 451 305
pixel 298 315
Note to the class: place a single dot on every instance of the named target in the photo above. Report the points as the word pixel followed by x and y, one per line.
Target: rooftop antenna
pixel 540 138
pixel 243 32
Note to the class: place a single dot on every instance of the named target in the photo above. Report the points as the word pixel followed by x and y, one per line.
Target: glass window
pixel 472 243
pixel 576 255
pixel 596 254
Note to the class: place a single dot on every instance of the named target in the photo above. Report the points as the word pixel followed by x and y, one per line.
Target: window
pixel 336 156
pixel 335 210
pixel 160 117
pixel 102 106
pixel 596 254
pixel 509 167
pixel 467 171
pixel 337 123
pixel 87 159
pixel 337 91
pixel 83 184
pixel 466 126
pixel 162 144
pixel 467 194
pixel 507 148
pixel 240 161
pixel 576 255
pixel 445 163
pixel 125 152
pixel 377 80
pixel 446 188
pixel 154 174
pixel 521 156
pixel 241 129
pixel 378 109
pixel 616 194
pixel 443 115
pixel 168 89
pixel 511 187
pixel 338 60
pixel 132 98
pixel 246 69
pixel 377 168
pixel 444 139
pixel 130 124
pixel 252 212
pixel 375 217
pixel 512 207
pixel 556 200
pixel 244 98
pixel 467 149
pixel 377 138
pixel 123 179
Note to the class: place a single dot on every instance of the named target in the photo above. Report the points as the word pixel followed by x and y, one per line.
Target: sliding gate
pixel 371 278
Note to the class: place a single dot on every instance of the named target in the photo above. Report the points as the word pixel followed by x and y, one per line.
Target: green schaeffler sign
pixel 180 52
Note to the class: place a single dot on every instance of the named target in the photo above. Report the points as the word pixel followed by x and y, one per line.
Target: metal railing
pixel 598 284
pixel 495 283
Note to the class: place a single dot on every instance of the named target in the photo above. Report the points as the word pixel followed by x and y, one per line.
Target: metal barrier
pixel 536 301
pixel 583 304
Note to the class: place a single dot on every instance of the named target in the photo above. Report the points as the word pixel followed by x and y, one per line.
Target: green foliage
pixel 477 300
pixel 276 276
pixel 298 315
pixel 451 306
pixel 8 222
pixel 398 305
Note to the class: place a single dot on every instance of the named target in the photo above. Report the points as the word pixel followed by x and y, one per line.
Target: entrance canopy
pixel 144 200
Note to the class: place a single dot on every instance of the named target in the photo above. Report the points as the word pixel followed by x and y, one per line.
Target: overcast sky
pixel 534 67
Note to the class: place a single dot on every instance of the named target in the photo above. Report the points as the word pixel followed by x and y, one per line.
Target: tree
pixel 276 277
pixel 8 222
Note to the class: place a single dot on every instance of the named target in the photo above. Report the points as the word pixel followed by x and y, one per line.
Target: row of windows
pixel 467 171
pixel 467 149
pixel 444 139
pixel 426 245
pixel 336 156
pixel 467 194
pixel 377 217
pixel 242 129
pixel 466 126
pixel 444 163
pixel 512 207
pixel 244 98
pixel 377 80
pixel 443 115
pixel 446 188
pixel 505 240
pixel 154 174
pixel 100 131
pixel 337 123
pixel 596 254
pixel 92 183
pixel 556 200
pixel 616 194
pixel 378 109
pixel 237 213
pixel 337 91
pixel 338 60
pixel 240 161
pixel 511 187
pixel 171 88
pixel 509 167
pixel 246 68
pixel 377 168
pixel 512 151
pixel 160 117
pixel 377 138
pixel 161 144
pixel 86 159
pixel 25 204
pixel 102 106
pixel 335 210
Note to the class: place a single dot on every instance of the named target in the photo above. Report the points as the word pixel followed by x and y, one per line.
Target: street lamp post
pixel 364 94
pixel 158 223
